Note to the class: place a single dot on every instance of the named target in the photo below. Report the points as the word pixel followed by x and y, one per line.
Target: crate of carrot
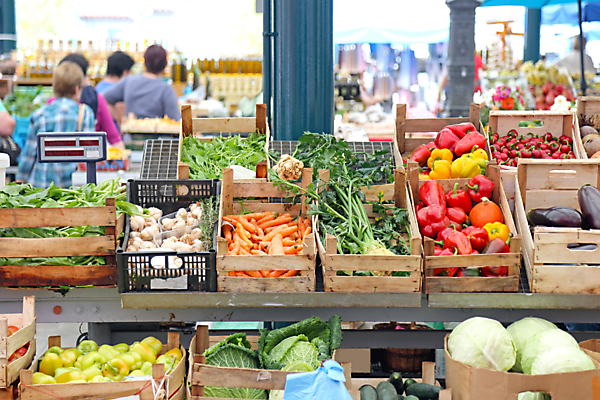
pixel 264 246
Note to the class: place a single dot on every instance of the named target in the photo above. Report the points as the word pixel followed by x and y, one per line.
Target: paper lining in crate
pixel 411 133
pixel 171 386
pixel 436 284
pixel 587 107
pixel 198 126
pixel 552 267
pixel 26 322
pixel 332 262
pixel 304 263
pixel 68 275
pixel 556 122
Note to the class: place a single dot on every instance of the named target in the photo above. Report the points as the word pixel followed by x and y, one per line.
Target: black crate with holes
pixel 167 270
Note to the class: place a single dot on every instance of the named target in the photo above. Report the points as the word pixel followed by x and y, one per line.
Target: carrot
pixel 231 245
pixel 261 233
pixel 289 231
pixel 267 217
pixel 244 252
pixel 242 274
pixel 291 249
pixel 284 219
pixel 255 238
pixel 276 246
pixel 236 247
pixel 255 216
pixel 243 234
pixel 254 274
pixel 264 273
pixel 275 274
pixel 264 246
pixel 295 235
pixel 289 274
pixel 287 241
pixel 307 232
pixel 231 273
pixel 247 225
pixel 271 235
pixel 242 244
pixel 301 227
pixel 227 232
pixel 258 252
pixel 233 219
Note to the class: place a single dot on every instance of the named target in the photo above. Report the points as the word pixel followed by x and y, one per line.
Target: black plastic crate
pixel 137 270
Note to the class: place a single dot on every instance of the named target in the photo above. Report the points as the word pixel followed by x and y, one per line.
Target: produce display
pixel 208 158
pixel 457 152
pixel 509 148
pixel 531 346
pixel 298 347
pixel 89 362
pixel 546 84
pixel 21 351
pixel 21 102
pixel 588 128
pixel 153 125
pixel 395 388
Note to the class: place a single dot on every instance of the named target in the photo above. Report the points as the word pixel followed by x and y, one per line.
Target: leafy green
pixel 293 349
pixel 20 103
pixel 208 158
pixel 233 352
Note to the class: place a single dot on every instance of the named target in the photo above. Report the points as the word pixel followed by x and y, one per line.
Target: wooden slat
pixel 13 369
pixel 257 189
pixel 57 217
pixel 259 285
pixel 58 247
pixel 261 118
pixel 480 260
pixel 258 263
pixel 373 284
pixel 362 262
pixel 186 121
pixel 227 191
pixel 223 125
pixel 97 275
pixel 208 375
pixel 18 339
pixel 437 284
pixel 431 124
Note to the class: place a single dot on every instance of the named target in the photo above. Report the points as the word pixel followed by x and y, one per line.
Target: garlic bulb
pixel 149 232
pixel 147 245
pixel 137 223
pixel 179 224
pixel 182 213
pixel 196 234
pixel 155 213
pixel 168 223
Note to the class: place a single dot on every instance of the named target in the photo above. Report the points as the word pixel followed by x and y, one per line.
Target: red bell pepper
pixel 461 130
pixel 460 242
pixel 467 272
pixel 446 139
pixel 457 217
pixel 446 271
pixel 437 251
pixel 496 246
pixel 421 154
pixel 479 187
pixel 443 234
pixel 432 220
pixel 459 198
pixel 419 206
pixel 479 237
pixel 467 143
pixel 433 194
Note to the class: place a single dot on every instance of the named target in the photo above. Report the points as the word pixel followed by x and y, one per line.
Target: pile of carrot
pixel 266 233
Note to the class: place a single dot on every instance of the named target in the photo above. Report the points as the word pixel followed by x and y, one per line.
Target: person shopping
pixel 64 114
pixel 119 66
pixel 146 95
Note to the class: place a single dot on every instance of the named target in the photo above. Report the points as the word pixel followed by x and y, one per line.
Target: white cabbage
pixel 533 396
pixel 541 343
pixel 522 330
pixel 562 359
pixel 484 343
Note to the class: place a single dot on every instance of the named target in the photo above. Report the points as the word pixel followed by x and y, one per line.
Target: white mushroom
pixel 134 234
pixel 179 224
pixel 196 234
pixel 191 221
pixel 147 245
pixel 155 213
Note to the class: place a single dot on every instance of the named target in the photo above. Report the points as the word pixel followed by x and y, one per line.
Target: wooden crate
pixel 198 126
pixel 587 106
pixel 556 122
pixel 8 345
pixel 201 375
pixel 546 183
pixel 35 275
pixel 333 262
pixel 174 382
pixel 437 284
pixel 304 262
pixel 411 133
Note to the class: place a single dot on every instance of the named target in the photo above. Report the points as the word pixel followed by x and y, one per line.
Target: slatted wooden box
pixel 587 106
pixel 26 322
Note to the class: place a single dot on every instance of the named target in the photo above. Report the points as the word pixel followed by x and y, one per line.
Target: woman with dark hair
pixel 146 95
pixel 89 96
pixel 119 65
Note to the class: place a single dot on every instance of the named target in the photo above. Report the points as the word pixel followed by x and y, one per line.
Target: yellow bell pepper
pixel 439 154
pixel 497 230
pixel 423 177
pixel 467 167
pixel 441 170
pixel 478 154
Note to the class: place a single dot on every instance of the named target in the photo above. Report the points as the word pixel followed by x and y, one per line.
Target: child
pixel 60 116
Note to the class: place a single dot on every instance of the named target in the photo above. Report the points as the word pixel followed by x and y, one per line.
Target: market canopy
pixel 385 35
pixel 527 3
pixel 568 14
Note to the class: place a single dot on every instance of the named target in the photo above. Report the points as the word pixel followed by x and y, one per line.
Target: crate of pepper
pixel 470 241
pixel 557 210
pixel 171 243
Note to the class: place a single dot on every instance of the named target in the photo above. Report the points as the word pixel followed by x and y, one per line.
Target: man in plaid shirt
pixel 60 116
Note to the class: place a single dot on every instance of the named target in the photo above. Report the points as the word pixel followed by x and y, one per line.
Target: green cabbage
pixel 484 343
pixel 562 359
pixel 297 366
pixel 522 330
pixel 294 349
pixel 533 396
pixel 541 343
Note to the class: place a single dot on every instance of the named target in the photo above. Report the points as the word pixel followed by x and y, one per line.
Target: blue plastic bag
pixel 325 383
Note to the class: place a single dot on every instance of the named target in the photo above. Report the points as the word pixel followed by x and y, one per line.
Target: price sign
pixel 73 147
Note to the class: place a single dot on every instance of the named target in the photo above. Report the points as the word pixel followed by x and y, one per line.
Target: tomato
pixel 12 329
pixel 17 354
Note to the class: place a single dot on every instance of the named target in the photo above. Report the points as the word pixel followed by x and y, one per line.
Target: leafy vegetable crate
pixel 137 272
pixel 437 284
pixel 551 266
pixel 471 383
pixel 8 345
pixel 333 262
pixel 424 130
pixel 556 122
pixel 174 383
pixel 198 126
pixel 587 106
pixel 305 262
pixel 67 275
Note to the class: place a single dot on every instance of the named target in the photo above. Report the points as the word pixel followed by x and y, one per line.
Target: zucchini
pixel 411 398
pixel 386 391
pixel 396 380
pixel 408 382
pixel 400 397
pixel 424 391
pixel 367 392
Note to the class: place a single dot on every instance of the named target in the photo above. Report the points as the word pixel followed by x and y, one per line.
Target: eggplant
pixel 562 217
pixel 589 203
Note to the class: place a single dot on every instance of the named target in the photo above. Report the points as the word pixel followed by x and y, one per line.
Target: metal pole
pixel 303 68
pixel 8 25
pixel 533 22
pixel 267 70
pixel 581 50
